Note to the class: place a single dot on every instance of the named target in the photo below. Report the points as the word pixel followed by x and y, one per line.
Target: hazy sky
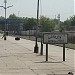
pixel 49 8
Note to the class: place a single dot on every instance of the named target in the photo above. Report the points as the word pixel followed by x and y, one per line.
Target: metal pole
pixel 46 52
pixel 41 45
pixel 5 20
pixel 36 45
pixel 63 52
pixel 5 28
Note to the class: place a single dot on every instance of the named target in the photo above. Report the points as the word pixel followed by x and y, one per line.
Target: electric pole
pixel 5 1
pixel 36 45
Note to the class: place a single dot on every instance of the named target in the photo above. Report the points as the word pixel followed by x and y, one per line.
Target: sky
pixel 48 8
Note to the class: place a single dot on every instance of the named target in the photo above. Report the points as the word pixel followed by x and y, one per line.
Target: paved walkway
pixel 18 58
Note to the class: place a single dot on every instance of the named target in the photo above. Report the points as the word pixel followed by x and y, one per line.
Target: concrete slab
pixel 18 58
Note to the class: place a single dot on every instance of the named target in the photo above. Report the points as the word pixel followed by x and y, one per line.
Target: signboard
pixel 55 38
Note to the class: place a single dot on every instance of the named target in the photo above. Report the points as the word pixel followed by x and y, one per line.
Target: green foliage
pixel 2 23
pixel 47 25
pixel 61 28
pixel 29 23
pixel 1 18
pixel 72 20
pixel 12 20
pixel 69 24
pixel 13 16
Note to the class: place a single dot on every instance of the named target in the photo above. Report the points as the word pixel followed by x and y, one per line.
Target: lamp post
pixel 36 45
pixel 5 20
pixel 41 52
pixel 5 17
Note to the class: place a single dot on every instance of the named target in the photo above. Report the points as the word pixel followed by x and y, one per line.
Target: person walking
pixel 4 36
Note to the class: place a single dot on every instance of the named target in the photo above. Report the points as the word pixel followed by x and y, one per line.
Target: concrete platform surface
pixel 18 58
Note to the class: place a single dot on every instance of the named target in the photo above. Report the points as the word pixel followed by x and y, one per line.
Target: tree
pixel 13 16
pixel 12 20
pixel 29 23
pixel 15 23
pixel 47 25
pixel 2 23
pixel 69 24
pixel 1 18
pixel 72 21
